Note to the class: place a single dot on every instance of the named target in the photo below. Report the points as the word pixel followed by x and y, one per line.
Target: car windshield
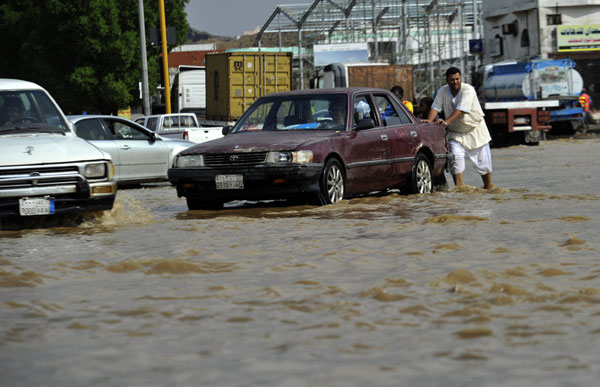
pixel 29 110
pixel 305 112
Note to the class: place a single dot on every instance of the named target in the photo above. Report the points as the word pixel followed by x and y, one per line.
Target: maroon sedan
pixel 327 144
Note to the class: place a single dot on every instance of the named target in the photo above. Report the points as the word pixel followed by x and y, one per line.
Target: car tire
pixel 421 178
pixel 199 204
pixel 333 183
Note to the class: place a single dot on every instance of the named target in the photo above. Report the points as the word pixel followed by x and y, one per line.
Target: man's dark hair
pixel 452 71
pixel 398 90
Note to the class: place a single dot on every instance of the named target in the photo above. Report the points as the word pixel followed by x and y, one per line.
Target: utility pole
pixel 165 55
pixel 145 91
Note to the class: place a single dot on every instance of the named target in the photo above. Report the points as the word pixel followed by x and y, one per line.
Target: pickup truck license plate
pixel 36 206
pixel 229 181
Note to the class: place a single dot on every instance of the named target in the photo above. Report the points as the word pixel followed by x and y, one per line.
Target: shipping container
pixel 381 75
pixel 234 80
pixel 384 77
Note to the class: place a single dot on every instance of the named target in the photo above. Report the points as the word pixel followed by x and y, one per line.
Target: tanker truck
pixel 523 100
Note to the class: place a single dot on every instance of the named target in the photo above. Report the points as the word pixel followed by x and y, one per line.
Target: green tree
pixel 86 53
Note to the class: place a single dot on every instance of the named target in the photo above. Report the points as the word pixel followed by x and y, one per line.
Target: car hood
pixel 260 141
pixel 29 149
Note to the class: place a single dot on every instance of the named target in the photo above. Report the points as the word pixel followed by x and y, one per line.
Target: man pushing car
pixel 468 135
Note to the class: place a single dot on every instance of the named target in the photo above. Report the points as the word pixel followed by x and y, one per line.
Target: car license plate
pixel 229 181
pixel 36 206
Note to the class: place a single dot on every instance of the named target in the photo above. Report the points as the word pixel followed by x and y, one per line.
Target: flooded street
pixel 457 288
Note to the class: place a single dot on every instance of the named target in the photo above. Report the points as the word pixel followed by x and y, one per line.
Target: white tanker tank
pixel 531 80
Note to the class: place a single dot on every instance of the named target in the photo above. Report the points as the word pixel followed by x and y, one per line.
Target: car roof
pixel 337 90
pixel 79 117
pixel 170 114
pixel 18 84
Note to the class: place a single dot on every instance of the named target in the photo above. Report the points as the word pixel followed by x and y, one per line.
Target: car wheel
pixel 421 178
pixel 332 183
pixel 199 204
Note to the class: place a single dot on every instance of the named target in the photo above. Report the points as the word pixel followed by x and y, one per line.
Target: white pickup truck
pixel 182 126
pixel 45 168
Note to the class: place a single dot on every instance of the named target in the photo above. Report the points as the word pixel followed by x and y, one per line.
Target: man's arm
pixel 453 117
pixel 431 116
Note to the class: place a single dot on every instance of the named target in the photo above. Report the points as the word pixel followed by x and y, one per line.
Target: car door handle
pixel 384 137
pixel 413 133
pixel 125 147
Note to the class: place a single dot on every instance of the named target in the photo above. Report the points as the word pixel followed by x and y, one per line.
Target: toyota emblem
pixel 233 157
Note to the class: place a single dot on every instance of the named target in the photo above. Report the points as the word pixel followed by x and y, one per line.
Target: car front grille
pixel 39 176
pixel 40 180
pixel 247 158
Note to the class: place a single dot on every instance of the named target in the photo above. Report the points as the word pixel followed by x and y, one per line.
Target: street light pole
pixel 145 92
pixel 165 57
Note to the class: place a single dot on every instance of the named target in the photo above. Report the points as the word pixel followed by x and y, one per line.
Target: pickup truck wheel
pixel 332 183
pixel 421 178
pixel 200 204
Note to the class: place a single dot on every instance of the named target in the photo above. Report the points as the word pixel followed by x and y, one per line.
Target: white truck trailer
pixel 188 94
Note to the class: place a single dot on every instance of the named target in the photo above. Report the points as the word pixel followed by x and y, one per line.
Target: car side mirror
pixel 226 130
pixel 366 123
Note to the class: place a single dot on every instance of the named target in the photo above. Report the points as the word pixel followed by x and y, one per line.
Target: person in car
pixel 399 92
pixel 337 111
pixel 12 113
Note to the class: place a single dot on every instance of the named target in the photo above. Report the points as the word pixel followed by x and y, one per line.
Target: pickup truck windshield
pixel 311 112
pixel 31 111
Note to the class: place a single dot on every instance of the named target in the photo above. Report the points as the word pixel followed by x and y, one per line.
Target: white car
pixel 139 154
pixel 45 168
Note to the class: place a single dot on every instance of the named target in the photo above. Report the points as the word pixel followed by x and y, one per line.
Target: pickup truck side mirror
pixel 366 123
pixel 226 130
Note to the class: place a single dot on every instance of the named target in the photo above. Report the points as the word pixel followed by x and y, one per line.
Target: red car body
pixel 289 144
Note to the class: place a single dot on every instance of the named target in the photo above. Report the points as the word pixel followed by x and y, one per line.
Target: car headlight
pixel 185 161
pixel 297 157
pixel 95 170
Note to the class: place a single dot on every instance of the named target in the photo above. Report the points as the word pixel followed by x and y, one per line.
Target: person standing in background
pixel 468 135
pixel 424 107
pixel 586 101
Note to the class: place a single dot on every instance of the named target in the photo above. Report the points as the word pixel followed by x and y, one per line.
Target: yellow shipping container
pixel 234 80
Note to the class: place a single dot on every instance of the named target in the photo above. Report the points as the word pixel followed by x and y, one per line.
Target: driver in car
pixel 13 113
pixel 337 111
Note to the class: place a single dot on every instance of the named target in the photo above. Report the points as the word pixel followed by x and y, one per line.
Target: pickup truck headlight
pixel 297 157
pixel 95 170
pixel 185 161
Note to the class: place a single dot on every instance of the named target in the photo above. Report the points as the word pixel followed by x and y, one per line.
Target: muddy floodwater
pixel 456 288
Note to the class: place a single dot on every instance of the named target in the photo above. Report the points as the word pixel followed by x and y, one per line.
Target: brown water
pixel 457 288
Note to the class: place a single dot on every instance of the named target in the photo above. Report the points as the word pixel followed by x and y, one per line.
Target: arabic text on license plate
pixel 229 181
pixel 36 206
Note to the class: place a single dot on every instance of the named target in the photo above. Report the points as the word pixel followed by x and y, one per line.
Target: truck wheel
pixel 200 204
pixel 332 183
pixel 421 178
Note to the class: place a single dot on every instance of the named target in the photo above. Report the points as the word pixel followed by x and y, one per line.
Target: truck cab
pixel 45 169
pixel 181 126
